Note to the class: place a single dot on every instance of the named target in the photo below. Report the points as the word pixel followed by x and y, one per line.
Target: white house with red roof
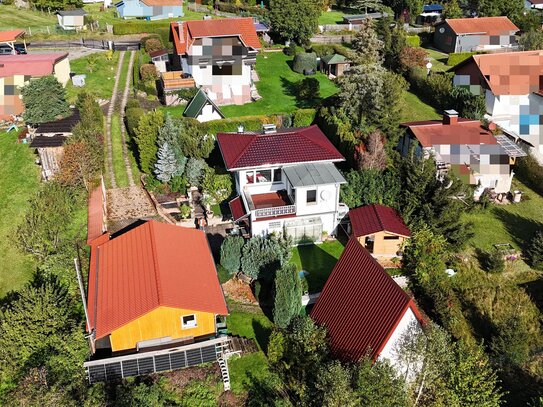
pixel 365 312
pixel 219 55
pixel 286 181
pixel 465 148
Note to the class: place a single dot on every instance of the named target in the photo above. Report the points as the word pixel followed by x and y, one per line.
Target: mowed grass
pixel 11 18
pixel 416 109
pixel 119 169
pixel 318 261
pixel 438 60
pixel 277 87
pixel 100 77
pixel 19 180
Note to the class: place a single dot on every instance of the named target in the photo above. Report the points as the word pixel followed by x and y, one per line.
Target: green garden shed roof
pixel 334 59
pixel 195 106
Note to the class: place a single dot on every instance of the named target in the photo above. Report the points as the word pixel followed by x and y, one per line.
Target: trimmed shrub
pixel 231 253
pixel 530 172
pixel 132 117
pixel 327 49
pixel 456 58
pixel 153 44
pixel 304 61
pixel 249 123
pixel 413 40
pixel 132 103
pixel 148 72
pixel 303 117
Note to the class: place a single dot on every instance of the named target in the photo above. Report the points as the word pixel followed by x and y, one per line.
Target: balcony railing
pixel 275 211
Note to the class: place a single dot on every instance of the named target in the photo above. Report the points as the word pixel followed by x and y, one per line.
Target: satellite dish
pixel 442 30
pixel 325 195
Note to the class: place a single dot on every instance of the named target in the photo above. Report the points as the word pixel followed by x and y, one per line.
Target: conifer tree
pixel 288 295
pixel 166 165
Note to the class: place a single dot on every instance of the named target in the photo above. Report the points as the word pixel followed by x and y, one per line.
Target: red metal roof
pixel 10 36
pixel 487 25
pixel 30 64
pixel 371 219
pixel 237 208
pixel 152 265
pixel 465 132
pixel 360 305
pixel 183 33
pixel 306 144
pixel 95 218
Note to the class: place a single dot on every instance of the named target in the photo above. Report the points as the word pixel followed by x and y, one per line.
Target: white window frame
pixel 186 326
pixel 316 196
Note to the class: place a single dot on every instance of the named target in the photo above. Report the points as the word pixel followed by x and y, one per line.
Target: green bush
pixel 148 72
pixel 291 49
pixel 153 44
pixel 184 211
pixel 132 117
pixel 530 172
pixel 132 103
pixel 231 253
pixel 249 123
pixel 413 40
pixel 534 251
pixel 456 58
pixel 491 262
pixel 322 50
pixel 241 9
pixel 303 117
pixel 304 61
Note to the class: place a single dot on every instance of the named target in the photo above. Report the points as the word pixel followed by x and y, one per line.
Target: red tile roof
pixel 306 144
pixel 487 25
pixel 465 132
pixel 95 218
pixel 360 305
pixel 183 34
pixel 152 265
pixel 509 73
pixel 371 219
pixel 30 64
pixel 9 36
pixel 237 208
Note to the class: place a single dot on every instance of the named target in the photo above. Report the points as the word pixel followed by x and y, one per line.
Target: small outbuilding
pixel 380 229
pixel 431 14
pixel 161 60
pixel 202 108
pixel 334 65
pixel 71 19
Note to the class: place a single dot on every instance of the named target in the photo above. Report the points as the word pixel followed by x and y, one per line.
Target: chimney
pixel 492 126
pixel 269 128
pixel 450 117
pixel 241 129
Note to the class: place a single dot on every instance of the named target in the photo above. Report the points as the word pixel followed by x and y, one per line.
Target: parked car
pixel 7 50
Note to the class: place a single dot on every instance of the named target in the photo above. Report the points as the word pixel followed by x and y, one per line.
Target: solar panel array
pixel 513 150
pixel 146 364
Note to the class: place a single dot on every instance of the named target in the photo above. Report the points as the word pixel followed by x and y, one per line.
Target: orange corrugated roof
pixel 8 36
pixel 244 28
pixel 152 265
pixel 95 218
pixel 430 133
pixel 511 73
pixel 488 25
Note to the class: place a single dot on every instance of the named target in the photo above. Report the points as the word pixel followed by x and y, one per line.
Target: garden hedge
pixel 456 58
pixel 140 26
pixel 304 61
pixel 328 49
pixel 413 40
pixel 303 117
pixel 132 117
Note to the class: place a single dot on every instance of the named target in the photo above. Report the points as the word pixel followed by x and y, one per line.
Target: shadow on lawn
pixel 318 264
pixel 262 335
pixel 520 229
pixel 293 89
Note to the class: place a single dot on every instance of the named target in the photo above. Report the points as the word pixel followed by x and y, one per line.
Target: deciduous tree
pixel 531 40
pixel 295 20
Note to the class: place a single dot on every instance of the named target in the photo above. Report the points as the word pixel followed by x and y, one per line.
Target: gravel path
pixel 123 127
pixel 109 117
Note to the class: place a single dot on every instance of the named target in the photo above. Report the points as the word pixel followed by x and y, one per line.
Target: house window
pixel 391 237
pixel 311 196
pixel 188 321
pixel 222 70
pixel 277 175
pixel 250 176
pixel 263 176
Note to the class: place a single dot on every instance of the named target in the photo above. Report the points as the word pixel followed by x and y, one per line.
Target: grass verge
pixel 119 169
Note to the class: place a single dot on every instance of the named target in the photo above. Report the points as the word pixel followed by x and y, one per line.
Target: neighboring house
pixel 512 85
pixel 534 4
pixel 49 139
pixel 364 311
pixel 161 60
pixel 286 181
pixel 219 55
pixel 334 65
pixel 465 148
pixel 150 9
pixel 380 229
pixel 71 19
pixel 475 34
pixel 431 14
pixel 153 285
pixel 17 70
pixel 202 108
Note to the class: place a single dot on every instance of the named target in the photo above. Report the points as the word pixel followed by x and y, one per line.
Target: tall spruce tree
pixel 287 295
pixel 166 166
pixel 169 133
pixel 368 48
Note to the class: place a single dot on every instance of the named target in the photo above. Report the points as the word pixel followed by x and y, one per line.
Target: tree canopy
pixel 295 20
pixel 45 101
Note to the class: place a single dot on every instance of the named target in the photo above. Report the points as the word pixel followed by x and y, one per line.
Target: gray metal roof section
pixel 313 174
pixel 513 149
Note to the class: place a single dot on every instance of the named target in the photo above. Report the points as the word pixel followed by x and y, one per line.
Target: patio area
pixel 271 199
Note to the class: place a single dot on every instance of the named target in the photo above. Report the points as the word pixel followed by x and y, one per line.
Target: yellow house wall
pixel 161 322
pixel 382 247
pixel 62 71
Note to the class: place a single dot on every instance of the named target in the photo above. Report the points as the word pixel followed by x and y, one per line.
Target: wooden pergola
pixel 10 37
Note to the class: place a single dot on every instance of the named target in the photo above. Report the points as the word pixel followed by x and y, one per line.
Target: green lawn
pixel 415 109
pixel 12 18
pixel 119 168
pixel 276 86
pixel 318 261
pixel 19 178
pixel 100 77
pixel 438 60
pixel 331 17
